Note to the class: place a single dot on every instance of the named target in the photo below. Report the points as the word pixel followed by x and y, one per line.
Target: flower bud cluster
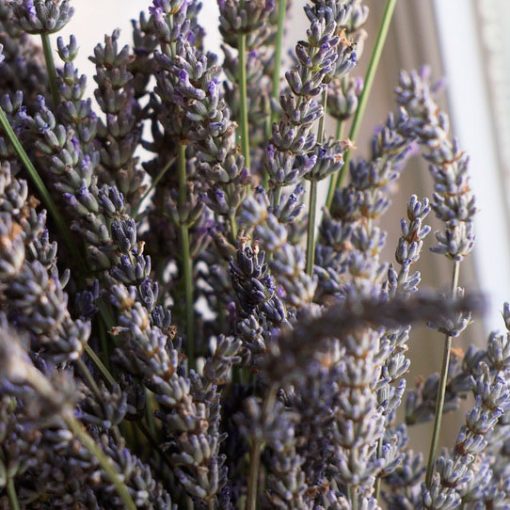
pixel 119 136
pixel 32 290
pixel 453 201
pixel 22 67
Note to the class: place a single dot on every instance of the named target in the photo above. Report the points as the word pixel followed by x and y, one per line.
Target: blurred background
pixel 466 42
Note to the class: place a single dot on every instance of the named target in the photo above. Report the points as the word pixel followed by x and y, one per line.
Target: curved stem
pixel 91 382
pixel 186 262
pixel 367 86
pixel 275 92
pixel 256 450
pixel 77 428
pixel 154 183
pixel 50 66
pixel 243 92
pixel 11 494
pixel 442 386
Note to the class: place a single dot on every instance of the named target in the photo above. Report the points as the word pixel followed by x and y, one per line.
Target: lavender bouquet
pixel 182 324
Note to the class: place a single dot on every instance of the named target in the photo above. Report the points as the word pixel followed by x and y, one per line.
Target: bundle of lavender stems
pixel 183 322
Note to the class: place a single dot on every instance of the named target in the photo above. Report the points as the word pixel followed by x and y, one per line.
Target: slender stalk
pixel 256 450
pixel 339 132
pixel 377 490
pixel 154 183
pixel 367 86
pixel 78 430
pixel 39 184
pixel 243 91
pixel 11 494
pixel 312 208
pixel 186 262
pixel 253 477
pixel 275 92
pixel 233 226
pixel 310 238
pixel 351 494
pixel 442 386
pixel 50 66
pixel 277 193
pixel 99 365
pixel 91 382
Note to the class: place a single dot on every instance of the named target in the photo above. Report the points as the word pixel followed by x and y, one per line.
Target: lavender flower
pixel 42 16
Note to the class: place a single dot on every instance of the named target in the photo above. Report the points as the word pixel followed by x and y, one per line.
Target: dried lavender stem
pixel 187 263
pixel 377 489
pixel 351 495
pixel 50 65
pixel 338 179
pixel 310 239
pixel 282 9
pixel 233 226
pixel 154 183
pixel 11 494
pixel 76 427
pixel 442 386
pixel 339 133
pixel 312 209
pixel 85 372
pixel 256 450
pixel 243 91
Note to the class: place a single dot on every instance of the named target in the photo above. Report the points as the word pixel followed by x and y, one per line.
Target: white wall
pixel 95 18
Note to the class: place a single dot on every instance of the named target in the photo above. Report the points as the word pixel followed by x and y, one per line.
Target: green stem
pixel 377 491
pixel 255 452
pixel 11 494
pixel 310 239
pixel 50 66
pixel 154 183
pixel 243 92
pixel 233 227
pixel 367 86
pixel 312 208
pixel 99 365
pixel 275 92
pixel 339 132
pixel 187 263
pixel 78 430
pixel 91 382
pixel 351 491
pixel 39 184
pixel 277 193
pixel 442 386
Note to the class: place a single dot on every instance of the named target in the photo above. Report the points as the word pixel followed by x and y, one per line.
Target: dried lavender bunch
pixel 207 352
